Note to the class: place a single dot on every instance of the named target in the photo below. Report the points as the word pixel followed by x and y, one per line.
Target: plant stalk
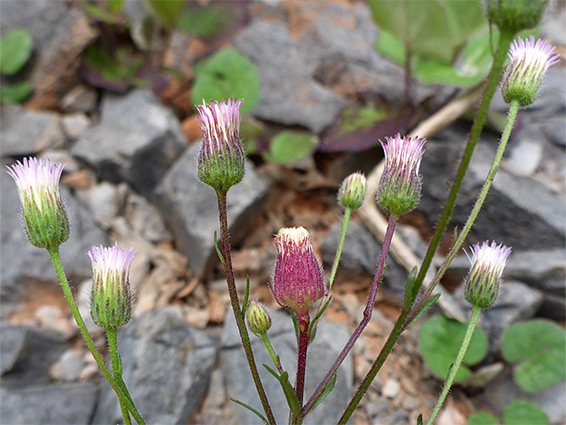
pixel 345 221
pixel 302 363
pixel 117 369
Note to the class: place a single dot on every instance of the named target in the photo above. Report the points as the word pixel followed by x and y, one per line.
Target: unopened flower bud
pixel 353 191
pixel 298 281
pixel 111 300
pixel 529 62
pixel 515 15
pixel 257 317
pixel 399 190
pixel 45 218
pixel 487 265
pixel 221 161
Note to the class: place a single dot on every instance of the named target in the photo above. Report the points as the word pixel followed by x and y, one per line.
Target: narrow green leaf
pixel 116 6
pixel 428 304
pixel 167 12
pixel 275 374
pixel 295 325
pixel 420 419
pixel 251 409
pixel 290 395
pixel 409 290
pixel 246 297
pixel 314 322
pixel 218 249
pixel 15 50
pixel 327 390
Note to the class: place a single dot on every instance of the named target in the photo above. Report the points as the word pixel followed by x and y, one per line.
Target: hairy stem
pixel 302 362
pixel 117 369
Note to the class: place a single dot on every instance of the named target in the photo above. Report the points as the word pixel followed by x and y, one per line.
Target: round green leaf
pixel 224 75
pixel 15 50
pixel 482 418
pixel 290 146
pixel 15 93
pixel 439 342
pixel 523 412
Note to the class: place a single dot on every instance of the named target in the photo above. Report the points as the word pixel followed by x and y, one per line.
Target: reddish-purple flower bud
pixel 487 264
pixel 221 161
pixel 399 189
pixel 298 281
pixel 529 62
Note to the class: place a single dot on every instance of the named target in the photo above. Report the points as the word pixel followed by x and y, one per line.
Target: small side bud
pixel 399 189
pixel 515 15
pixel 524 75
pixel 221 161
pixel 298 281
pixel 257 317
pixel 45 218
pixel 111 300
pixel 487 265
pixel 353 191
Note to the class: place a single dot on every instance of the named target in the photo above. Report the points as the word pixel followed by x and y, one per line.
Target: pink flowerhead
pixel 45 218
pixel 529 62
pixel 221 161
pixel 297 280
pixel 399 189
pixel 487 264
pixel 111 293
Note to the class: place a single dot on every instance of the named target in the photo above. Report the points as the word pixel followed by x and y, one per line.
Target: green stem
pixel 117 369
pixel 505 38
pixel 240 322
pixel 457 363
pixel 271 351
pixel 56 259
pixel 345 221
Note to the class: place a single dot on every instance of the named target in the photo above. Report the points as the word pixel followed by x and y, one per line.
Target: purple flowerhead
pixel 298 281
pixel 45 218
pixel 353 191
pixel 487 264
pixel 111 300
pixel 399 189
pixel 221 161
pixel 529 62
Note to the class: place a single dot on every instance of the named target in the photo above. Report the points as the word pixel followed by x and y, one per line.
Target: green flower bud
pixel 111 300
pixel 515 15
pixel 487 265
pixel 352 191
pixel 221 161
pixel 45 218
pixel 257 317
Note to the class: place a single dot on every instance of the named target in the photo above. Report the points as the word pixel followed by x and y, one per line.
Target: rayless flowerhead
pixel 257 317
pixel 515 15
pixel 297 279
pixel 111 301
pixel 488 262
pixel 353 191
pixel 45 218
pixel 529 62
pixel 399 189
pixel 221 161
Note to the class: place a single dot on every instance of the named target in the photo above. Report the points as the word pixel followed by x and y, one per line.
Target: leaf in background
pixel 115 6
pixel 203 21
pixel 166 11
pixel 227 74
pixel 521 412
pixel 391 47
pixel 439 342
pixel 15 93
pixel 15 50
pixel 99 14
pixel 290 146
pixel 538 348
pixel 482 418
pixel 111 72
pixel 146 33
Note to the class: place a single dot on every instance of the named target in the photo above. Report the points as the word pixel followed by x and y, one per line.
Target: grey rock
pixel 289 94
pixel 190 209
pixel 68 368
pixel 145 219
pixel 26 132
pixel 552 28
pixel 21 260
pixel 323 351
pixel 49 404
pixel 525 155
pixel 80 99
pixel 555 130
pixel 167 366
pixel 103 200
pixel 136 140
pixel 11 345
pixel 61 156
pixel 74 125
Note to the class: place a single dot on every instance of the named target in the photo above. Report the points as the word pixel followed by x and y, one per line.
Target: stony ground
pixel 130 176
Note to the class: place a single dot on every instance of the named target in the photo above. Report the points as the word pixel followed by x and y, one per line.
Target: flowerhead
pixel 515 15
pixel 221 161
pixel 45 218
pixel 111 299
pixel 399 189
pixel 529 62
pixel 297 279
pixel 487 264
pixel 352 191
pixel 257 317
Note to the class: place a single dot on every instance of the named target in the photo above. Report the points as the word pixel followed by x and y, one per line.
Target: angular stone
pixel 329 341
pixel 145 219
pixel 136 140
pixel 103 200
pixel 190 208
pixel 80 99
pixel 49 404
pixel 11 345
pixel 167 366
pixel 26 132
pixel 68 368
